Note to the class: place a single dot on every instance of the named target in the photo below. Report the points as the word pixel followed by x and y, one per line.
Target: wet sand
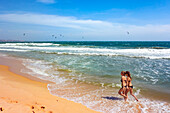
pixel 22 95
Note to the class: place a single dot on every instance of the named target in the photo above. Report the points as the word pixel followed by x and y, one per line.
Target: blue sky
pixel 92 19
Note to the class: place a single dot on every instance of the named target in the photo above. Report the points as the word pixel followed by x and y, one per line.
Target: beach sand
pixel 22 95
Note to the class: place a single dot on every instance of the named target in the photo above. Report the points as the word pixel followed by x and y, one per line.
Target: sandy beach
pixel 22 95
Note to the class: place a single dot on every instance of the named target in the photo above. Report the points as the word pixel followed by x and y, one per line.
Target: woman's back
pixel 130 86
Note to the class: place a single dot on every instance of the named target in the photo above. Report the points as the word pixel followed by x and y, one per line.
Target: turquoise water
pixel 98 63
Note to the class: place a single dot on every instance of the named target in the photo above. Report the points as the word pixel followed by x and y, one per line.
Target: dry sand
pixel 22 95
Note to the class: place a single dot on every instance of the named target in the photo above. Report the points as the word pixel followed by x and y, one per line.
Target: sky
pixel 85 20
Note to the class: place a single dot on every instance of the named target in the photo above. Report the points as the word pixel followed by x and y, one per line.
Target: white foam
pixel 137 92
pixel 118 85
pixel 40 69
pixel 28 44
pixel 36 66
pixel 3 55
pixel 147 105
pixel 145 53
pixel 14 50
pixel 93 100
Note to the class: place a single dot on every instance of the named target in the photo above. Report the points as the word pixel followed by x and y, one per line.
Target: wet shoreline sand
pixel 20 94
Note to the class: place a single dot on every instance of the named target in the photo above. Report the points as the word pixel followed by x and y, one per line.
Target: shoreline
pixel 16 67
pixel 21 94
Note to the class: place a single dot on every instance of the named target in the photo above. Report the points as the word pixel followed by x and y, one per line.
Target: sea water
pixel 89 72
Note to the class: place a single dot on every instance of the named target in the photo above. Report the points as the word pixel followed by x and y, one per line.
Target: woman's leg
pixel 122 90
pixel 131 92
pixel 126 92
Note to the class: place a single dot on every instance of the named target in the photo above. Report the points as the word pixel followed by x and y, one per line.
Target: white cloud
pixel 47 1
pixel 93 28
pixel 54 20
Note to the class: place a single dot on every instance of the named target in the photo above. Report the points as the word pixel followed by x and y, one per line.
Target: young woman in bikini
pixel 130 86
pixel 124 85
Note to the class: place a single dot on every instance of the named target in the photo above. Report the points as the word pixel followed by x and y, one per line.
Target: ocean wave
pixel 28 44
pixel 108 54
pixel 41 69
pixel 156 47
pixel 135 53
pixel 14 50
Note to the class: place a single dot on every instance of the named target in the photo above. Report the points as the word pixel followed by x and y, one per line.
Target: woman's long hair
pixel 128 73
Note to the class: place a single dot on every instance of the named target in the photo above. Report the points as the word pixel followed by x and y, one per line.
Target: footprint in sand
pixel 1 109
pixel 13 101
pixel 42 107
pixel 32 107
